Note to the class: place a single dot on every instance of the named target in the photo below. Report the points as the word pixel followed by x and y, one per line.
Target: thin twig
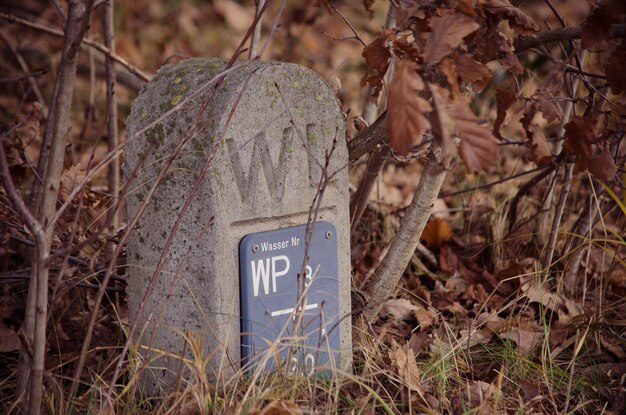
pixel 112 134
pixel 558 215
pixel 56 131
pixel 377 158
pixel 256 35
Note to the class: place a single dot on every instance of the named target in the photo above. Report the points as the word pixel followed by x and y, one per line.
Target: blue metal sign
pixel 269 264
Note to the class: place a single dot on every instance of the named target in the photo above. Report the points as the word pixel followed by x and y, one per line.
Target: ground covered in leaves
pixel 476 324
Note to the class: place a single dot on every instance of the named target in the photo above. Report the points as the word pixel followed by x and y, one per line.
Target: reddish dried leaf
pixel 447 33
pixel 69 180
pixel 493 45
pixel 281 408
pixel 540 151
pixel 405 108
pixel 579 136
pixel 553 81
pixel 405 362
pixel 467 7
pixel 518 20
pixel 470 70
pixel 549 110
pixel 527 341
pixel 399 309
pixel 602 166
pixel 597 27
pixel 504 99
pixel 443 127
pixel 614 70
pixel 479 148
pixel 377 56
pixel 448 261
pixel 419 342
pixel 448 68
pixel 436 233
pixel 425 317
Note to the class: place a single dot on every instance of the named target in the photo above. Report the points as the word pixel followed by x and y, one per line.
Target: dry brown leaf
pixel 470 70
pixel 405 108
pixel 527 341
pixel 281 407
pixel 436 232
pixel 597 27
pixel 400 309
pixel 448 67
pixel 602 166
pixel 443 127
pixel 377 57
pixel 613 345
pixel 404 359
pixel 425 317
pixel 69 180
pixel 467 7
pixel 504 99
pixel 419 342
pixel 540 152
pixel 478 148
pixel 614 70
pixel 579 137
pixel 518 20
pixel 549 110
pixel 541 293
pixel 447 33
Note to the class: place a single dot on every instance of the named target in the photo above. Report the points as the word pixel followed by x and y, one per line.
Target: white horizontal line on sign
pixel 291 310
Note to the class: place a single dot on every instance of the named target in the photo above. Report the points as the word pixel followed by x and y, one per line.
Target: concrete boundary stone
pixel 266 128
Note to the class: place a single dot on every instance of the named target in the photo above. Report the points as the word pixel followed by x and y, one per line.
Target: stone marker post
pixel 238 243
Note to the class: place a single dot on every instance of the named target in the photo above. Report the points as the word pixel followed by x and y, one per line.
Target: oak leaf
pixel 281 407
pixel 518 20
pixel 579 137
pixel 504 99
pixel 70 178
pixel 478 148
pixel 470 70
pixel 377 57
pixel 540 152
pixel 614 70
pixel 602 166
pixel 405 107
pixel 547 107
pixel 597 27
pixel 447 33
pixel 405 362
pixel 449 69
pixel 494 45
pixel 436 232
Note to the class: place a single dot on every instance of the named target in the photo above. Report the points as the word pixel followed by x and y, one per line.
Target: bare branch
pixel 368 139
pixel 522 44
pixel 112 133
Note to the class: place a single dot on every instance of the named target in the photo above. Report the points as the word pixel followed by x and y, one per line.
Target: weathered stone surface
pixel 263 132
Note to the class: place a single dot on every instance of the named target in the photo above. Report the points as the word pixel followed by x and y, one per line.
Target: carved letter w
pixel 275 176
